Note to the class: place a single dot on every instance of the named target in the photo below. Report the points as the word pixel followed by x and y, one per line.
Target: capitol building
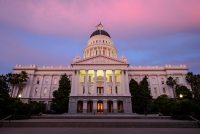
pixel 99 79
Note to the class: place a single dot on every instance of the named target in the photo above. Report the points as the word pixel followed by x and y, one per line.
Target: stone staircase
pixel 100 121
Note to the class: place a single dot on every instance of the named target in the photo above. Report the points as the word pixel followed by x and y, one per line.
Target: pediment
pixel 102 60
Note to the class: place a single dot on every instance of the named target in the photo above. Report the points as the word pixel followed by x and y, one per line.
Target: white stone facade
pixel 99 80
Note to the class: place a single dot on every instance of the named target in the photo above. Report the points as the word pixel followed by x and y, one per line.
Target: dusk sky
pixel 53 32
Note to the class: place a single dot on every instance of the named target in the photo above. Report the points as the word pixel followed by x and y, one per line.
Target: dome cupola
pixel 100 43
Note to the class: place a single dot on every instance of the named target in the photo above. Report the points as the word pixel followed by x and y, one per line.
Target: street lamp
pixel 20 95
pixel 180 95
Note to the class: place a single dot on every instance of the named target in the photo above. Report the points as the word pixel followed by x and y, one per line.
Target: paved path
pixel 99 131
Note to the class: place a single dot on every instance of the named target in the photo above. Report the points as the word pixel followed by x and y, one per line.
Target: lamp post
pixel 181 96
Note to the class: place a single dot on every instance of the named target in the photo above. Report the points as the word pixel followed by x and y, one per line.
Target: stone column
pixel 41 86
pixel 113 82
pixel 30 83
pixel 73 83
pixel 77 83
pixel 115 105
pixel 95 82
pixel 94 106
pixel 127 83
pixel 84 105
pixel 105 107
pixel 105 84
pixel 122 83
pixel 51 82
pixel 86 83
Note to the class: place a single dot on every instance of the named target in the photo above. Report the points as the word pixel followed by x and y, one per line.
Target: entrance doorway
pixel 120 106
pixel 100 107
pixel 79 106
pixel 110 106
pixel 89 106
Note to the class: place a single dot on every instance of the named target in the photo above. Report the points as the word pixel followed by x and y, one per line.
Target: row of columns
pixel 76 83
pixel 97 51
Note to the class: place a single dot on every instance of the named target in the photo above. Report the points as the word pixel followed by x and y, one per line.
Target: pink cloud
pixel 78 17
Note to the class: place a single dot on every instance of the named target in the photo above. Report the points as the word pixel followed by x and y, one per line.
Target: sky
pixel 53 32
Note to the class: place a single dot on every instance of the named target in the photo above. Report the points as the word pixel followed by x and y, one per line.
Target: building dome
pixel 99 32
pixel 100 43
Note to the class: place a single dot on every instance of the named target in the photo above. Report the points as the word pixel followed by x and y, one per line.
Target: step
pixel 101 123
pixel 99 116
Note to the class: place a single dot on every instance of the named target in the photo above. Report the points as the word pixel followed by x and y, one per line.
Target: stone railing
pixel 166 67
pixel 42 67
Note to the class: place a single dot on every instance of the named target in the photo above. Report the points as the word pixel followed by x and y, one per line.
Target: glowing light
pixel 20 95
pixel 180 95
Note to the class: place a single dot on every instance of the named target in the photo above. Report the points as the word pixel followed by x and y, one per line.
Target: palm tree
pixel 17 80
pixel 12 80
pixel 171 82
pixel 22 78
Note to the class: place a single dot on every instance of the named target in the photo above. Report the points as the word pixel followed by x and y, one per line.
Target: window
pixel 116 90
pixel 116 78
pixel 83 89
pixel 38 81
pixel 162 81
pixel 45 91
pixel 55 81
pixel 110 78
pixel 153 80
pixel 164 90
pixel 155 91
pixel 90 78
pixel 110 89
pixel 46 81
pixel 177 79
pixel 36 91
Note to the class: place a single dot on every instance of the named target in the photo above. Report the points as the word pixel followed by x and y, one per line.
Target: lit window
pixel 90 78
pixel 110 78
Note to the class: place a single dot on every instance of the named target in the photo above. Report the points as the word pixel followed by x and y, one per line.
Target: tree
pixel 12 80
pixel 134 90
pixel 17 80
pixel 184 91
pixel 165 104
pixel 171 82
pixel 22 79
pixel 60 99
pixel 194 81
pixel 141 97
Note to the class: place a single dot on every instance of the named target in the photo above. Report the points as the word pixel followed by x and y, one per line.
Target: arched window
pixel 55 81
pixel 45 91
